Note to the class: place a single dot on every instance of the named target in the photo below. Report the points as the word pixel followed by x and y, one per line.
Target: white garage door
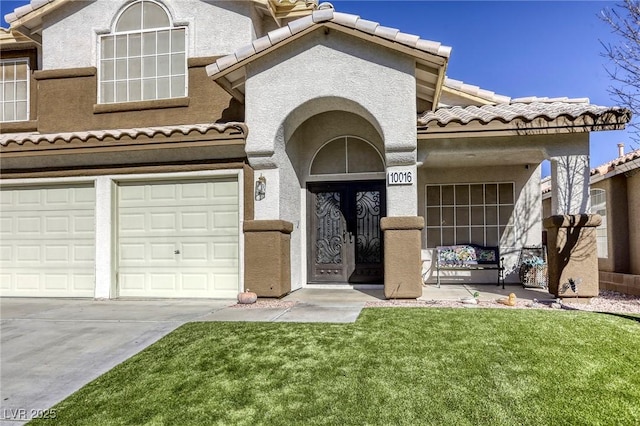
pixel 178 239
pixel 47 241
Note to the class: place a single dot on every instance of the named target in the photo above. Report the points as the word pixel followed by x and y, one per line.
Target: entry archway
pixel 344 213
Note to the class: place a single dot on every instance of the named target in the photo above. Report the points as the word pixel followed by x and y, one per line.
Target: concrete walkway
pixel 488 292
pixel 50 348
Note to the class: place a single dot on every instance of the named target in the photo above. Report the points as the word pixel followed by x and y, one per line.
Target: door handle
pixel 176 252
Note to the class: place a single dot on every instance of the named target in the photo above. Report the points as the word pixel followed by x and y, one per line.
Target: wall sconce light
pixel 261 188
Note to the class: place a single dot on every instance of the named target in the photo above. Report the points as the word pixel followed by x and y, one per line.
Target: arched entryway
pixel 345 242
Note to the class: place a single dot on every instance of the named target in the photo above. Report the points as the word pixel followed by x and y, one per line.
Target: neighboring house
pixel 195 148
pixel 615 195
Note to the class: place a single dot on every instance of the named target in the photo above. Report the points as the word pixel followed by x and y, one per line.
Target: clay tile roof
pixel 545 184
pixel 476 91
pixel 326 13
pixel 23 10
pixel 605 168
pixel 37 138
pixel 532 109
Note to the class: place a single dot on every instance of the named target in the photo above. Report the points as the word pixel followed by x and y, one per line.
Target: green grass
pixel 393 366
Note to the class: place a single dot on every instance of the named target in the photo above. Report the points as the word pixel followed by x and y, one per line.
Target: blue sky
pixel 537 48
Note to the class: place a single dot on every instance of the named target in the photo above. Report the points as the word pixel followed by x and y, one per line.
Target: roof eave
pixel 470 97
pixel 518 127
pixel 433 60
pixel 30 23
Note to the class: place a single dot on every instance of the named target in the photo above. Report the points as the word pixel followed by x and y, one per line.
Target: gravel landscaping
pixel 607 301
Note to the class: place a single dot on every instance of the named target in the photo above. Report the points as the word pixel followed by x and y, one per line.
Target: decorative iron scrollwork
pixel 328 228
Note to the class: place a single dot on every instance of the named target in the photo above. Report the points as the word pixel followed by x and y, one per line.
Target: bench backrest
pixel 467 254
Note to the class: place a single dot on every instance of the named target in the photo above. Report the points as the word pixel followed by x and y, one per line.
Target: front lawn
pixel 393 366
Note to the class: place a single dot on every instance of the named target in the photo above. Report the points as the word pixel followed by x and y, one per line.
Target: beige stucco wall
pixel 526 216
pixel 348 74
pixel 617 259
pixel 633 199
pixel 68 98
pixel 213 28
pixel 318 87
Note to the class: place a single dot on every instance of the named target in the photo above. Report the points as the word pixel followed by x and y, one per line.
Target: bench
pixel 463 257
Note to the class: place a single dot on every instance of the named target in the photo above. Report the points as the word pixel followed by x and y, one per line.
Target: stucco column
pixel 103 237
pixel 572 260
pixel 402 256
pixel 570 184
pixel 267 257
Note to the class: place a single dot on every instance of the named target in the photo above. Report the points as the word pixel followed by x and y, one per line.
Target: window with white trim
pixel 476 213
pixel 14 90
pixel 144 57
pixel 599 206
pixel 346 154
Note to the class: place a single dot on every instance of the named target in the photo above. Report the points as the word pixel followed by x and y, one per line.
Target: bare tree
pixel 624 20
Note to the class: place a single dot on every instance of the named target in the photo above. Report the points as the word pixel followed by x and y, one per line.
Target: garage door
pixel 178 239
pixel 47 241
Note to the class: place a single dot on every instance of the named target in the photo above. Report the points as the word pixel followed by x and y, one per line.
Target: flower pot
pixel 247 297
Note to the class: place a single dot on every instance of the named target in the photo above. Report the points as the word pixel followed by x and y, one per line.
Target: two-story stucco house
pixel 196 148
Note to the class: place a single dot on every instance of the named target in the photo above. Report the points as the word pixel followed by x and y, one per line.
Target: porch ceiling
pixel 442 159
pixel 489 150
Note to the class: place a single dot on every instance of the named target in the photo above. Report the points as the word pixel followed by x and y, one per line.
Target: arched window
pixel 346 154
pixel 144 57
pixel 599 206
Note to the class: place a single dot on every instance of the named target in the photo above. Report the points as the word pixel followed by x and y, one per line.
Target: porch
pixel 446 292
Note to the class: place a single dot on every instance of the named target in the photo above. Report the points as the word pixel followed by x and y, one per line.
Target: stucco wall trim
pixel 64 73
pixel 402 223
pixel 268 226
pixel 142 105
pixel 19 126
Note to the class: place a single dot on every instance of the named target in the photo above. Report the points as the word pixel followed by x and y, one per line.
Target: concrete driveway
pixel 50 348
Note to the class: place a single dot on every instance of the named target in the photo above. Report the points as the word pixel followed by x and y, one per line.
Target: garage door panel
pixel 5 281
pixel 196 191
pixel 228 282
pixel 195 221
pixel 163 282
pixel 160 192
pixel 193 252
pixel 56 223
pixel 162 252
pixel 162 222
pixel 84 253
pixel 56 282
pixel 28 282
pixel 29 225
pixel 28 254
pixel 175 238
pixel 6 253
pixel 195 282
pixel 84 225
pixel 57 253
pixel 48 245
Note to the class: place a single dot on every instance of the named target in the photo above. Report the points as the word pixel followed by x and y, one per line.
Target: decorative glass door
pixel 346 244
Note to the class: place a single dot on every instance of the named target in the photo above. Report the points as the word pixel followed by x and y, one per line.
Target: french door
pixel 345 240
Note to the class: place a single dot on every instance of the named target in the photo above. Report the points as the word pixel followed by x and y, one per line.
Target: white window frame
pixel 599 206
pixel 14 102
pixel 467 237
pixel 173 27
pixel 346 155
